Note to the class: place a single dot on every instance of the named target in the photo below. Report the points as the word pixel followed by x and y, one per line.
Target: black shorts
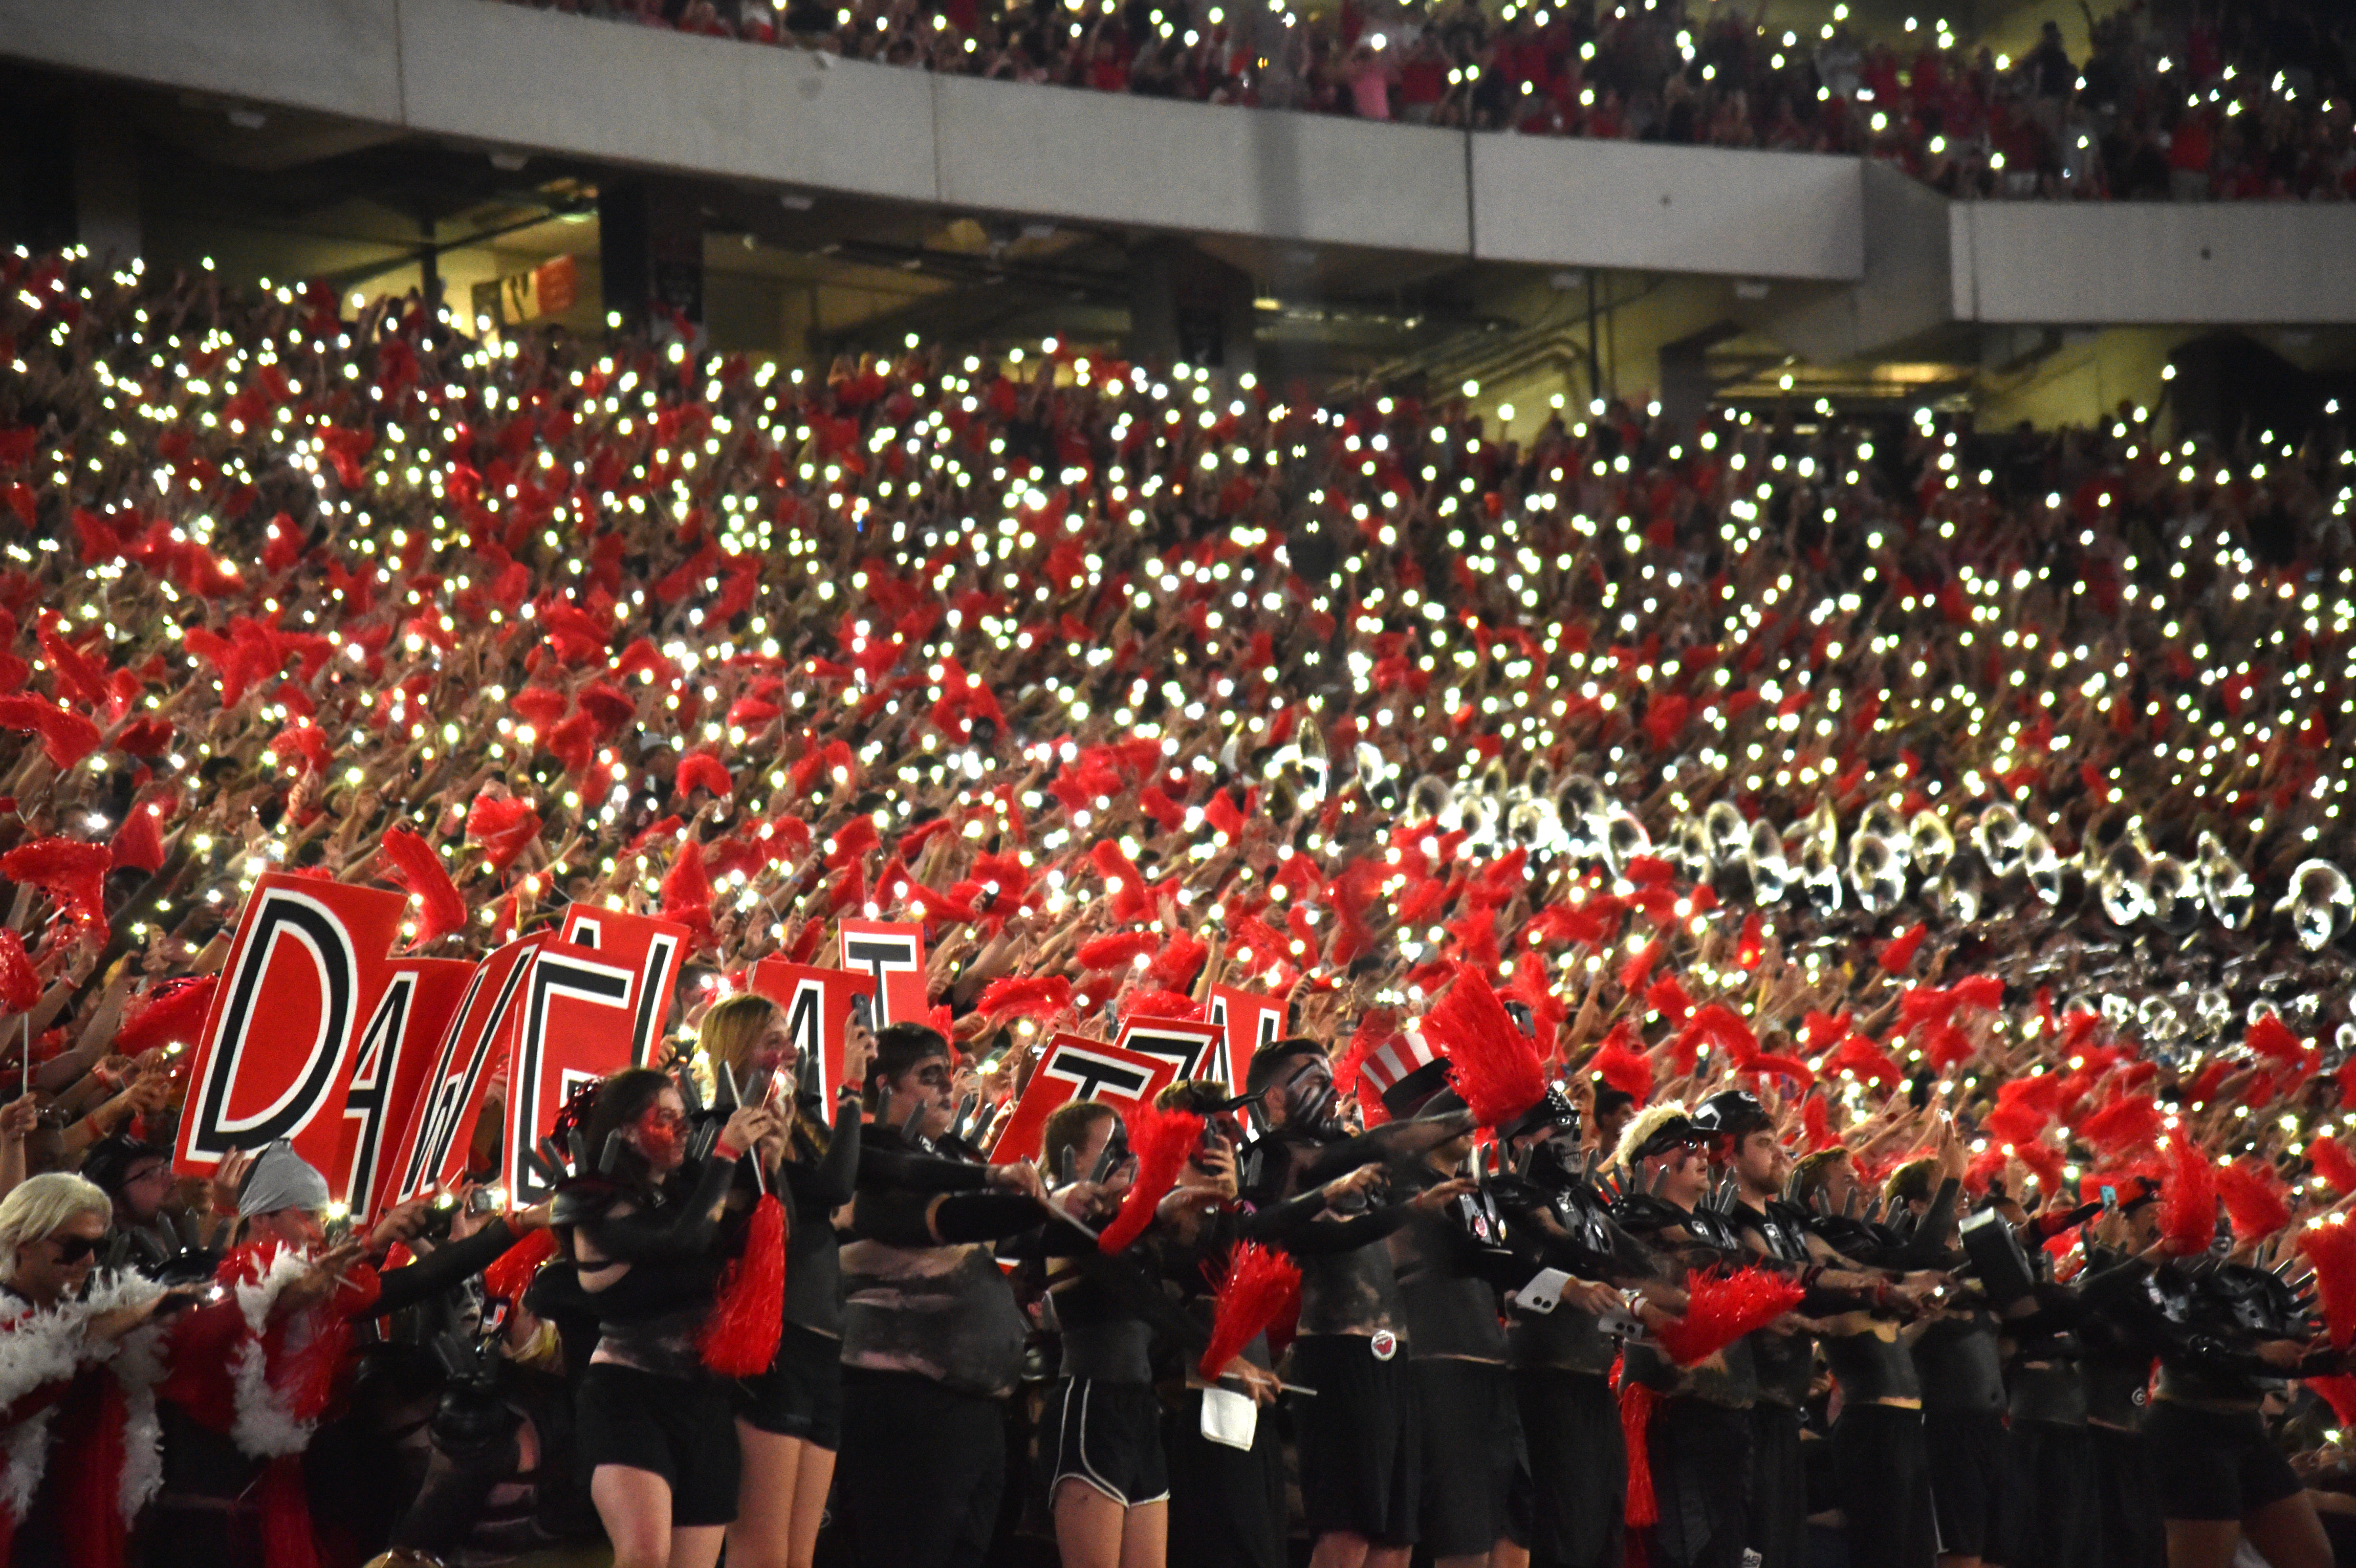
pixel 1227 1504
pixel 1359 1439
pixel 681 1429
pixel 1471 1454
pixel 1578 1468
pixel 2211 1465
pixel 1107 1436
pixel 1779 1487
pixel 1968 1478
pixel 2055 1511
pixel 2133 1536
pixel 1884 1469
pixel 801 1393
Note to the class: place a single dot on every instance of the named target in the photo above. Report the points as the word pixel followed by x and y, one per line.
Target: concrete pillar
pixel 1189 308
pixel 650 254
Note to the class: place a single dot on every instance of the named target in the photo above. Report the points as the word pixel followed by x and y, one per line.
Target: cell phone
pixel 2110 1197
pixel 484 1200
pixel 863 1011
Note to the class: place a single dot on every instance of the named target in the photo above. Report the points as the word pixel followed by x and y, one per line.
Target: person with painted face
pixel 642 1231
pixel 789 1418
pixel 1744 1141
pixel 1226 1502
pixel 1359 1439
pixel 932 1335
pixel 1698 1440
pixel 1562 1357
pixel 1881 1459
pixel 1106 1474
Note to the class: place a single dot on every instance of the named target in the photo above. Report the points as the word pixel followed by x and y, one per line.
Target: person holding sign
pixel 932 1336
pixel 643 1229
pixel 789 1418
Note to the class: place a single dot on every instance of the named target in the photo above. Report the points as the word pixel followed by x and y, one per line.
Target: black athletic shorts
pixel 681 1429
pixel 1471 1454
pixel 1968 1478
pixel 1107 1436
pixel 1579 1468
pixel 1357 1439
pixel 801 1393
pixel 2212 1465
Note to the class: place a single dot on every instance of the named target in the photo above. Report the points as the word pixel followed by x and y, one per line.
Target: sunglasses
pixel 73 1249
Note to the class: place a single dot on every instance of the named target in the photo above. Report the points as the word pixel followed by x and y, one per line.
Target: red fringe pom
pixel 511 1271
pixel 1719 1311
pixel 2254 1200
pixel 139 842
pixel 73 875
pixel 1039 996
pixel 170 1010
pixel 502 829
pixel 20 986
pixel 1636 1402
pixel 2339 1392
pixel 740 1338
pixel 1620 1064
pixel 2332 1163
pixel 1897 955
pixel 411 862
pixel 1493 1064
pixel 686 891
pixel 2129 1122
pixel 2188 1200
pixel 67 737
pixel 1171 1005
pixel 1118 950
pixel 1180 960
pixel 1260 1287
pixel 1161 1140
pixel 1131 898
pixel 2332 1250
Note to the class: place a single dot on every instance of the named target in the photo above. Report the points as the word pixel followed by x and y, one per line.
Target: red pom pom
pixel 1118 950
pixel 171 1010
pixel 1039 996
pixel 1898 953
pixel 1493 1064
pixel 740 1338
pixel 687 891
pixel 1620 1064
pixel 2132 1121
pixel 1160 1005
pixel 2332 1163
pixel 139 842
pixel 2331 1248
pixel 1720 1310
pixel 67 737
pixel 411 862
pixel 2188 1200
pixel 1259 1287
pixel 1161 1140
pixel 2254 1200
pixel 502 829
pixel 511 1271
pixel 700 769
pixel 73 875
pixel 20 986
pixel 1131 899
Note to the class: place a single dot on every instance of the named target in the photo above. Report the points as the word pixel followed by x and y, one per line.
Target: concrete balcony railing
pixel 512 78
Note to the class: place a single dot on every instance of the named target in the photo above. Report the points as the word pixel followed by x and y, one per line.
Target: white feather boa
pixel 39 1348
pixel 265 1427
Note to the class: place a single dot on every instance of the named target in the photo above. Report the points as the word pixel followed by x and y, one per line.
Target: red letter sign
pixel 1079 1069
pixel 895 955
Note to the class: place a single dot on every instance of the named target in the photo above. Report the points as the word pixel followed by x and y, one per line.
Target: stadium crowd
pixel 2247 100
pixel 1839 921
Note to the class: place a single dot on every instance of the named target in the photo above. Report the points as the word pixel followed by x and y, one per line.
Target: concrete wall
pixel 1667 210
pixel 2241 263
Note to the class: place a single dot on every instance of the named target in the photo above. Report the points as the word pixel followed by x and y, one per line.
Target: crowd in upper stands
pixel 2243 100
